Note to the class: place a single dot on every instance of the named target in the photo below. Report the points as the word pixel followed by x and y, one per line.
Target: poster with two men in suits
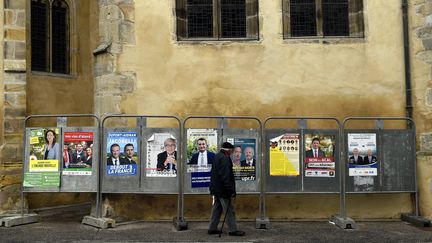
pixel 122 154
pixel 362 154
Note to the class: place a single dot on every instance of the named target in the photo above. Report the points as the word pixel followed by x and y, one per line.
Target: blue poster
pixel 200 179
pixel 121 170
pixel 122 154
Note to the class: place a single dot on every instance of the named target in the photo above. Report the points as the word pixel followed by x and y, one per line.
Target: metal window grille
pixel 60 46
pixel 233 18
pixel 335 17
pixel 200 18
pixel 39 36
pixel 303 18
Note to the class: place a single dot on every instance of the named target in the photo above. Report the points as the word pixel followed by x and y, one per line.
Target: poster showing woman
pixel 44 144
pixel 44 156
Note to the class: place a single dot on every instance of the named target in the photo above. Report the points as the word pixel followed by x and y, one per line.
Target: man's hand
pixel 170 160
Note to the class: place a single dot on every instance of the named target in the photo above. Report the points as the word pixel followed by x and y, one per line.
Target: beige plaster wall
pixel 1 74
pixel 279 207
pixel 266 77
pixel 362 77
pixel 55 94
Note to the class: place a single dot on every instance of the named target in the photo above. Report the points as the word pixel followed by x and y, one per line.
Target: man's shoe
pixel 237 233
pixel 214 232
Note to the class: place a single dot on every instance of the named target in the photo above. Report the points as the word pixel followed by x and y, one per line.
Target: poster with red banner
pixel 77 153
pixel 319 155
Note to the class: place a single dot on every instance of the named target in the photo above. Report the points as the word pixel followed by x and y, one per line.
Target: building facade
pixel 215 57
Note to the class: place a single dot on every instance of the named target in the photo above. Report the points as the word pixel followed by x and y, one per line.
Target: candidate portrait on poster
pixel 362 154
pixel 161 156
pixel 122 153
pixel 319 155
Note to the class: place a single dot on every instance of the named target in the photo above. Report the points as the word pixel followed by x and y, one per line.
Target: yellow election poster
pixel 285 155
pixel 43 166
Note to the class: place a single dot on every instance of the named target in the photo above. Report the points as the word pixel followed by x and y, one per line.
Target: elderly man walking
pixel 222 187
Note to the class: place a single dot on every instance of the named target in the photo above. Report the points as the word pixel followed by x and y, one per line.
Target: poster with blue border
pixel 362 154
pixel 122 154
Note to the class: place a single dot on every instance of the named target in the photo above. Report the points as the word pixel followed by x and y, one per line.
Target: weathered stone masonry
pixel 14 110
pixel 112 84
pixel 116 25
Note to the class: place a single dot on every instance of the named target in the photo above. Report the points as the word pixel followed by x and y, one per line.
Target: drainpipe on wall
pixel 408 99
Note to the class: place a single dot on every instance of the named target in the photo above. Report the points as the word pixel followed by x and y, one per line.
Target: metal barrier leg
pixel 343 222
pixel 179 221
pixel 98 221
pixel 19 219
pixel 180 224
pixel 102 223
pixel 415 220
pixel 262 223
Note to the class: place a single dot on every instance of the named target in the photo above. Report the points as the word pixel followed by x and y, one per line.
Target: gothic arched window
pixel 50 38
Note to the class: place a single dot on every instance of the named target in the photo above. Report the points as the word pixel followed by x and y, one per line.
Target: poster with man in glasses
pixel 161 160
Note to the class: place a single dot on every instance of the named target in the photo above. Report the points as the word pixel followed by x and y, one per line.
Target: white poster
pixel 362 154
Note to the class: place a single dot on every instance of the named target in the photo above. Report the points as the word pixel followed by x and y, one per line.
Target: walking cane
pixel 223 222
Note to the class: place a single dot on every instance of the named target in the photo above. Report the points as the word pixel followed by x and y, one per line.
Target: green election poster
pixel 42 179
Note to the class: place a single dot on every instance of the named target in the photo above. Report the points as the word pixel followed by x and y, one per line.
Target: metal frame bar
pixel 302 155
pixel 25 140
pixel 260 154
pixel 410 126
pixel 179 176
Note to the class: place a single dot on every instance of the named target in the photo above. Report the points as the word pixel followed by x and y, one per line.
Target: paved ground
pixel 64 226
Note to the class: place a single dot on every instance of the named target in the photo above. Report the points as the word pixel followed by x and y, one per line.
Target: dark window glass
pixel 60 57
pixel 303 18
pixel 335 17
pixel 39 36
pixel 200 18
pixel 233 18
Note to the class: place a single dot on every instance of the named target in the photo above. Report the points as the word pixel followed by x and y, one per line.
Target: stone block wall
pixel 14 106
pixel 113 83
pixel 116 31
pixel 421 45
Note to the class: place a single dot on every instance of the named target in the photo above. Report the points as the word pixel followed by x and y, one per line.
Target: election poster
pixel 285 155
pixel 362 154
pixel 44 144
pixel 244 158
pixel 122 154
pixel 201 149
pixel 41 179
pixel 319 155
pixel 44 157
pixel 161 160
pixel 77 153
